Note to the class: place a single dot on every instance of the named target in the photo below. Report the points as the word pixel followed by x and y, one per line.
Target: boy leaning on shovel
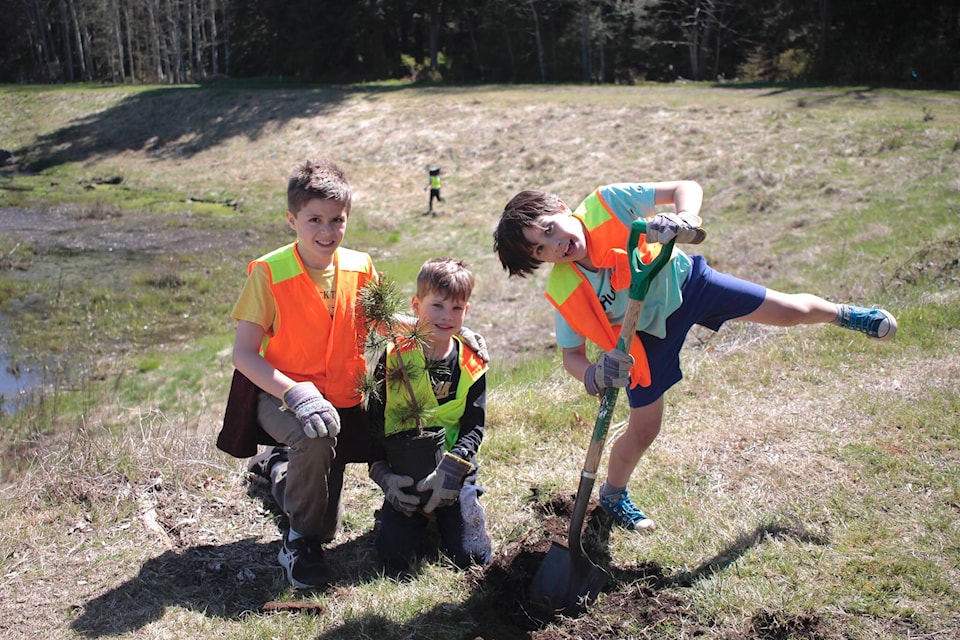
pixel 588 286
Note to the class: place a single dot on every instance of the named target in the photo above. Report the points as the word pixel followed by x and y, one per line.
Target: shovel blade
pixel 565 583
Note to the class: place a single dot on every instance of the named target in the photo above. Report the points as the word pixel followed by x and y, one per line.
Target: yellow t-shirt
pixel 256 303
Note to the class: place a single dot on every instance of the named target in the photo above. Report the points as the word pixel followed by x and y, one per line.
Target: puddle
pixel 16 385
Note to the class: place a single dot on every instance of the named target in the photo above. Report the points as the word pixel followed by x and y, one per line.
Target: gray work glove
pixel 445 482
pixel 317 416
pixel 685 227
pixel 392 485
pixel 611 370
pixel 476 342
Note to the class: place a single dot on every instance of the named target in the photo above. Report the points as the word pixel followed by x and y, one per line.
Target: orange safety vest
pixel 570 292
pixel 309 344
pixel 446 415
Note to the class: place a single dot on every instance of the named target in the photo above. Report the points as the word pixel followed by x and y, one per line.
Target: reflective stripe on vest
pixel 573 296
pixel 309 344
pixel 398 414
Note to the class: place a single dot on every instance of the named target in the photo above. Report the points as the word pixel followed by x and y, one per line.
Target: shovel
pixel 567 580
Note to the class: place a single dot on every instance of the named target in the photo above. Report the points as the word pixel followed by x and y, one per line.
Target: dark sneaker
pixel 304 562
pixel 876 323
pixel 261 464
pixel 625 513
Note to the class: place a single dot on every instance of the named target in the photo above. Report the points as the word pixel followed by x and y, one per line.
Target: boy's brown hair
pixel 446 277
pixel 521 213
pixel 317 179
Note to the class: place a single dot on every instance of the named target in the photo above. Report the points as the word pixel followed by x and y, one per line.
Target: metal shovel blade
pixel 566 582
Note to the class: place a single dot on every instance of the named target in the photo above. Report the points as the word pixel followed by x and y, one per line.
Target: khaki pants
pixel 308 486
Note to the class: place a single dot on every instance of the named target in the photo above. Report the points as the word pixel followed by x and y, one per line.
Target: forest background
pixel 878 42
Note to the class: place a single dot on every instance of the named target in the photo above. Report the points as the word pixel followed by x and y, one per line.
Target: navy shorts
pixel 710 298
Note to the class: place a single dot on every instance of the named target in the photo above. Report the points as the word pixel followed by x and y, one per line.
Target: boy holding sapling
pixel 448 383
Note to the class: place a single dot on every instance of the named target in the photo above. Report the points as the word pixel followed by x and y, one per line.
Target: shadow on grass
pixel 225 581
pixel 232 580
pixel 207 116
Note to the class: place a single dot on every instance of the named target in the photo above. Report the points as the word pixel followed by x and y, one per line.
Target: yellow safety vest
pixel 396 413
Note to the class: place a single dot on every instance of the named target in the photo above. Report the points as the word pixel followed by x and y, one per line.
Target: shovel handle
pixel 640 275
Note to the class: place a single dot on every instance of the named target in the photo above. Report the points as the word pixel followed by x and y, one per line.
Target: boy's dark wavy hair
pixel 521 213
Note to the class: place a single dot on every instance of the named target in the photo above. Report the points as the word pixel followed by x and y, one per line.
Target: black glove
pixel 392 485
pixel 317 416
pixel 445 482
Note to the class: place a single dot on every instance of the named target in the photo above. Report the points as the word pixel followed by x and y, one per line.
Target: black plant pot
pixel 416 455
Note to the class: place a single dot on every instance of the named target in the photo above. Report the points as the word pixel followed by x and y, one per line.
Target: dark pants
pixel 462 527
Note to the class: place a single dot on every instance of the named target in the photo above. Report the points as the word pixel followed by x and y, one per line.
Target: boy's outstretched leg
pixel 642 429
pixel 790 309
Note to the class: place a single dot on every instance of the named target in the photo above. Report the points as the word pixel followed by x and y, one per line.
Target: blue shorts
pixel 710 298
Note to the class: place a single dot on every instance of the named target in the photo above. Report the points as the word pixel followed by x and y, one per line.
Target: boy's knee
pixel 475 547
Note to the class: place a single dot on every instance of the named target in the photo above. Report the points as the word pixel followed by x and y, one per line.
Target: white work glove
pixel 684 226
pixel 445 482
pixel 611 370
pixel 317 416
pixel 392 485
pixel 476 342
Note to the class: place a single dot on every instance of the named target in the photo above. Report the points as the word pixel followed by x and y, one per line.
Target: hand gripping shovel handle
pixel 640 275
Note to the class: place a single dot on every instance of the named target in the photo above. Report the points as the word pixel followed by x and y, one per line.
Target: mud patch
pixel 633 598
pixel 75 228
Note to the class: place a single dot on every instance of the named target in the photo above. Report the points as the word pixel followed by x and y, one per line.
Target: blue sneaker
pixel 624 512
pixel 876 323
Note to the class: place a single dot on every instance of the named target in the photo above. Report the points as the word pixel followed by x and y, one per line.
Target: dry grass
pixel 805 482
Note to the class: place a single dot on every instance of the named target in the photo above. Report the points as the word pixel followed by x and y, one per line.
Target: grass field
pixel 805 484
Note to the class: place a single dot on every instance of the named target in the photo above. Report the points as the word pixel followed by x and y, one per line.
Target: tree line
pixel 590 41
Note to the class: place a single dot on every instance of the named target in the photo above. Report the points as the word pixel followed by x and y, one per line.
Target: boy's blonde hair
pixel 446 277
pixel 317 179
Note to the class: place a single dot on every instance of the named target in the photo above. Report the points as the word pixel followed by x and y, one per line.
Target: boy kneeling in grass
pixel 453 392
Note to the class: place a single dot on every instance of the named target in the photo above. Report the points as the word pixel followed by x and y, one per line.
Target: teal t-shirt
pixel 630 201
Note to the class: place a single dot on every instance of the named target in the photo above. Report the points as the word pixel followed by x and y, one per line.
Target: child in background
pixel 434 186
pixel 589 287
pixel 454 392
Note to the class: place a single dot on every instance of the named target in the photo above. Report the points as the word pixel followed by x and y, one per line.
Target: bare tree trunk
pixel 214 44
pixel 174 55
pixel 536 33
pixel 225 22
pixel 694 40
pixel 434 26
pixel 192 33
pixel 83 40
pixel 822 45
pixel 44 54
pixel 586 72
pixel 118 41
pixel 156 42
pixel 131 53
pixel 66 37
